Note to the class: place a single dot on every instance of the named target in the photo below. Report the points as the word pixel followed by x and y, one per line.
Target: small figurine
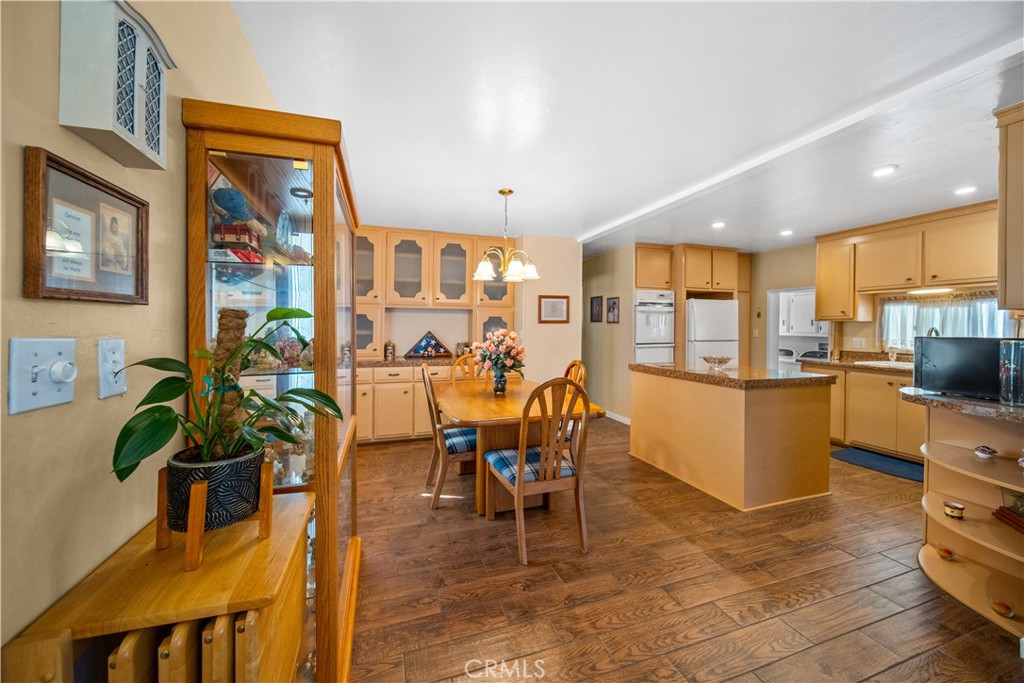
pixel 389 351
pixel 306 357
pixel 985 452
pixel 236 223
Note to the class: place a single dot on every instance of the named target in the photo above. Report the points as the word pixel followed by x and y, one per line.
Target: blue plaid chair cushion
pixel 460 440
pixel 506 461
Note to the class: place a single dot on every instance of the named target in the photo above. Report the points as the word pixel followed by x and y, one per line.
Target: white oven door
pixel 655 325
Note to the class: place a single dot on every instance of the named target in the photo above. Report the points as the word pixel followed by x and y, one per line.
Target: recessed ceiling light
pixel 888 169
pixel 966 190
pixel 718 224
pixel 786 233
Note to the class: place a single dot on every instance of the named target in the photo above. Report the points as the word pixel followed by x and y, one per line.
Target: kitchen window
pixel 960 315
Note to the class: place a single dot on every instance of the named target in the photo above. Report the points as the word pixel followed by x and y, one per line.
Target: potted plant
pixel 500 353
pixel 228 427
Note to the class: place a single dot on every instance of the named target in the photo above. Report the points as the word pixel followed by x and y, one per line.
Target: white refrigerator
pixel 712 329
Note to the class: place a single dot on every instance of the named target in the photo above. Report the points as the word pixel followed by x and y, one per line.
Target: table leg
pixel 481 472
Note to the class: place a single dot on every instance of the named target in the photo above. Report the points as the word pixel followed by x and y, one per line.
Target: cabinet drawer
pixel 382 375
pixel 364 375
pixel 437 373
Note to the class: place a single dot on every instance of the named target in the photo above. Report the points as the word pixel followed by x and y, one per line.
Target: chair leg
pixel 435 458
pixel 442 472
pixel 521 530
pixel 581 517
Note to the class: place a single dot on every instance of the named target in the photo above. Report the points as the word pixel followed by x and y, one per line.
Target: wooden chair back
pixel 577 372
pixel 435 414
pixel 555 402
pixel 467 366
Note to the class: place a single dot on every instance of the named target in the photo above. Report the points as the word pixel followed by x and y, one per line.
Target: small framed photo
pixel 613 309
pixel 85 238
pixel 552 309
pixel 596 309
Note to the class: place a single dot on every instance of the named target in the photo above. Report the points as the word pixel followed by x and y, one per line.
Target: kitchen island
pixel 751 437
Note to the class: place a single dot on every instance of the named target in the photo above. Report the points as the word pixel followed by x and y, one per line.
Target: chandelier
pixel 514 264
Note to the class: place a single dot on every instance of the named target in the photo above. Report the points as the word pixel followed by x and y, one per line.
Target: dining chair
pixel 577 372
pixel 543 468
pixel 451 443
pixel 467 366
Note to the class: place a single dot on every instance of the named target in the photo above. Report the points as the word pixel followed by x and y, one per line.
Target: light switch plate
pixel 110 355
pixel 858 343
pixel 40 373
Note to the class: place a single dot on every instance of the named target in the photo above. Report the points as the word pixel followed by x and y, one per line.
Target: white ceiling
pixel 622 122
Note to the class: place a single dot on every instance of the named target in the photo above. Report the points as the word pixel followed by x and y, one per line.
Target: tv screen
pixel 964 366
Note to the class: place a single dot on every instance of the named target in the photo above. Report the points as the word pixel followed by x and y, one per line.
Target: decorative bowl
pixel 716 361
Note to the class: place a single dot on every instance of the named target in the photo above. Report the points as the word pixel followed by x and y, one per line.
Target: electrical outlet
pixel 858 343
pixel 757 333
pixel 110 354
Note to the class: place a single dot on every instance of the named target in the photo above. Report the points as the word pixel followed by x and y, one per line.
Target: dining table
pixel 497 419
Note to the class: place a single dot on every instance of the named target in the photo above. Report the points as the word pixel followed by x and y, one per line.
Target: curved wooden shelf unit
pixel 978 525
pixel 975 585
pixel 999 470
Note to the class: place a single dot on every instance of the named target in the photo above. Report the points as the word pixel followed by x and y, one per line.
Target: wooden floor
pixel 676 587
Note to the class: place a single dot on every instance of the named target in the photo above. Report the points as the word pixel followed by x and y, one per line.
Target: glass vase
pixel 1011 372
pixel 500 382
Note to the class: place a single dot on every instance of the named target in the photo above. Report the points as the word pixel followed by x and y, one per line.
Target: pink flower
pixel 521 353
pixel 487 365
pixel 509 362
pixel 489 335
pixel 502 332
pixel 489 346
pixel 513 335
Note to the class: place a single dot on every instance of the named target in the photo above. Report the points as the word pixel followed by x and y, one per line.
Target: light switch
pixel 110 356
pixel 40 373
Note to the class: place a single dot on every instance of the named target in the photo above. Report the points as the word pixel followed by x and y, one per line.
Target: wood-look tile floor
pixel 677 586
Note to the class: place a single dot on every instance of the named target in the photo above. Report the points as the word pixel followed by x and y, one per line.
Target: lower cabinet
pixel 391 402
pixel 420 411
pixel 364 412
pixel 392 410
pixel 877 418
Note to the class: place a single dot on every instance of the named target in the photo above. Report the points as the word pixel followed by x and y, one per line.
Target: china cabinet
pixel 270 207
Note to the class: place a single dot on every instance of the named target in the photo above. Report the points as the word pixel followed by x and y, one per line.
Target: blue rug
pixel 881 463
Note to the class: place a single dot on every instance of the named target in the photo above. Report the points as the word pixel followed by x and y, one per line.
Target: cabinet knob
pixel 909 279
pixel 889 383
pixel 707 282
pixel 407 391
pixel 842 312
pixel 718 283
pixel 374 296
pixel 666 282
pixel 935 277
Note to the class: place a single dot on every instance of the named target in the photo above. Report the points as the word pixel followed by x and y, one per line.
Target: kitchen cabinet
pixel 369 266
pixel 408 269
pixel 886 261
pixel 837 406
pixel 835 297
pixel 421 420
pixel 653 266
pixel 392 407
pixel 1011 207
pixel 491 319
pixel 364 412
pixel 495 292
pixel 711 269
pixel 961 249
pixel 801 314
pixel 369 330
pixel 877 418
pixel 453 260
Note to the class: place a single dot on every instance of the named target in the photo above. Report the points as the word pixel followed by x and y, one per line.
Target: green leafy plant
pixel 212 432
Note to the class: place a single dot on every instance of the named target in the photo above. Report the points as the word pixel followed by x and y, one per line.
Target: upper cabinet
pixel 653 266
pixel 835 298
pixel 453 259
pixel 1011 207
pixel 113 81
pixel 711 269
pixel 961 249
pixel 887 261
pixel 496 292
pixel 408 272
pixel 369 266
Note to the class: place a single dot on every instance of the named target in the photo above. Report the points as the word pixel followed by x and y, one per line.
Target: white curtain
pixel 904 320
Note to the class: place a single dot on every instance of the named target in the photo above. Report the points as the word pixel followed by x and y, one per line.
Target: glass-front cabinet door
pixel 454 260
pixel 369 266
pixel 496 292
pixel 369 323
pixel 491 319
pixel 409 269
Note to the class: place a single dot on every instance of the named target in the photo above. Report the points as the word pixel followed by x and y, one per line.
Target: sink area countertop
pixel 890 367
pixel 894 364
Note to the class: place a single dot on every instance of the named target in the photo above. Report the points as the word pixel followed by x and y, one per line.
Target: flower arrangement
pixel 500 352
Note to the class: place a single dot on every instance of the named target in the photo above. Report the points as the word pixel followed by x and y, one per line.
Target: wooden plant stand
pixel 197 515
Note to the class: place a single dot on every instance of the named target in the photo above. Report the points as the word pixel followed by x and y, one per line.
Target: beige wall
pixel 608 348
pixel 63 512
pixel 550 346
pixel 405 327
pixel 788 268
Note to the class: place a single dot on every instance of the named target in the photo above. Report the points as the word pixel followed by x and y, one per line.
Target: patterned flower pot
pixel 233 489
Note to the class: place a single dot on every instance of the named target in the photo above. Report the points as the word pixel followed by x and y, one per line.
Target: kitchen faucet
pixel 933 332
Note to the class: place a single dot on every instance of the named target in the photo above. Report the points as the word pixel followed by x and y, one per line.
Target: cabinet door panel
pixel 393 407
pixel 653 267
pixel 724 269
pixel 369 266
pixel 910 425
pixel 496 292
pixel 962 249
pixel 454 259
pixel 889 262
pixel 420 411
pixel 698 268
pixel 1011 216
pixel 490 319
pixel 834 281
pixel 369 324
pixel 364 411
pixel 870 411
pixel 801 315
pixel 408 269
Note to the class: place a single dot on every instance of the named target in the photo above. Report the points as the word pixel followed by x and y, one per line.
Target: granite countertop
pixel 967 406
pixel 850 365
pixel 405 362
pixel 736 378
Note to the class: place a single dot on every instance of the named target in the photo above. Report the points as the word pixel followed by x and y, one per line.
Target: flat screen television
pixel 963 366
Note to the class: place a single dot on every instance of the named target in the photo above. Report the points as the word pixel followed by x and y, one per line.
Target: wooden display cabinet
pixel 270 201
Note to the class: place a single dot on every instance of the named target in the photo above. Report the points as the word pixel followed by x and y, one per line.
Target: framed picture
pixel 85 238
pixel 613 309
pixel 596 309
pixel 552 309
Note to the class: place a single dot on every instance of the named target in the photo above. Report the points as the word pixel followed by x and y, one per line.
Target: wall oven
pixel 654 331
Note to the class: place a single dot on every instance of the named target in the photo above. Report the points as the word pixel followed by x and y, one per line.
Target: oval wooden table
pixel 472 403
